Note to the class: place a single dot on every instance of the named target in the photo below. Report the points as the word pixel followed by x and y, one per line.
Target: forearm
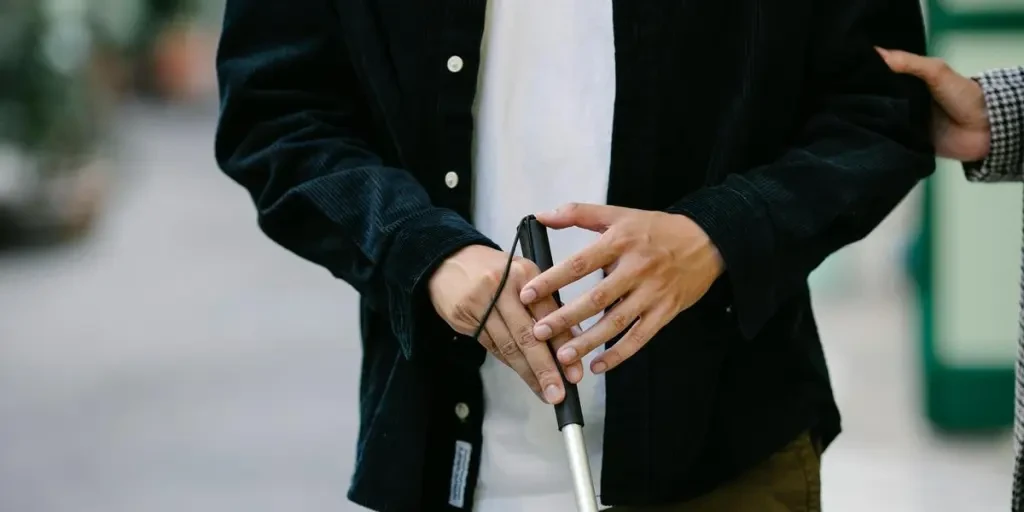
pixel 1004 99
pixel 293 131
pixel 861 150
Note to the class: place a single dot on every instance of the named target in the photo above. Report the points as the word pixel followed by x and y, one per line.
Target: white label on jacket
pixel 460 472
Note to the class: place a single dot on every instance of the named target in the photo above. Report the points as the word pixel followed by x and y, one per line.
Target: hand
pixel 657 265
pixel 960 124
pixel 462 288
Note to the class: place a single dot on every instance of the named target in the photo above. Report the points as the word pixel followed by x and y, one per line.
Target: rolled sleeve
pixel 1004 99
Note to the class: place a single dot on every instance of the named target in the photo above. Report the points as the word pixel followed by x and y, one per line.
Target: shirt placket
pixel 458 64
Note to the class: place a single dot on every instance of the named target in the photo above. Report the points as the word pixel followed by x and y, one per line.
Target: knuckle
pixel 644 261
pixel 548 375
pixel 493 277
pixel 620 322
pixel 525 337
pixel 517 271
pixel 507 348
pixel 496 353
pixel 462 312
pixel 619 244
pixel 578 266
pixel 635 338
pixel 599 298
pixel 526 268
pixel 559 321
pixel 618 241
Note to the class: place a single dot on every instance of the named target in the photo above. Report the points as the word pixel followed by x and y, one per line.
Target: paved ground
pixel 178 361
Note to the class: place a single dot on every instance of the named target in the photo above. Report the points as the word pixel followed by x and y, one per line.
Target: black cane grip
pixel 534 238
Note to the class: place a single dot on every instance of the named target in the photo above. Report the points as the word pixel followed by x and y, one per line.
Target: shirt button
pixel 451 179
pixel 455 63
pixel 461 411
pixel 728 309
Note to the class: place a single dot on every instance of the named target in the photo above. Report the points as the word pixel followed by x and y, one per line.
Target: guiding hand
pixel 960 124
pixel 462 288
pixel 657 264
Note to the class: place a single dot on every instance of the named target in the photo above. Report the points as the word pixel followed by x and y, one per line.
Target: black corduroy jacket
pixel 773 125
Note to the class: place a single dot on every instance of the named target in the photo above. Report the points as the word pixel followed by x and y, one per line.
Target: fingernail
pixel 598 367
pixel 567 355
pixel 542 332
pixel 528 295
pixel 573 374
pixel 551 394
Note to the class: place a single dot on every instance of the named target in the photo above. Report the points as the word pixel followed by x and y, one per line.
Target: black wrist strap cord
pixel 501 284
pixel 569 413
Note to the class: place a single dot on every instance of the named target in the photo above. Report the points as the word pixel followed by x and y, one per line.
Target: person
pixel 978 121
pixel 704 173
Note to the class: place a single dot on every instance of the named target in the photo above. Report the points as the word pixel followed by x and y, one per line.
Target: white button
pixel 454 63
pixel 728 309
pixel 462 411
pixel 451 179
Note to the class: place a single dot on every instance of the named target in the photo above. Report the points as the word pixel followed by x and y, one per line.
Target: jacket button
pixel 455 63
pixel 451 179
pixel 461 411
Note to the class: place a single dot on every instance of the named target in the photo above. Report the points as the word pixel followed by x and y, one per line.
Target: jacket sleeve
pixel 1004 99
pixel 295 131
pixel 863 146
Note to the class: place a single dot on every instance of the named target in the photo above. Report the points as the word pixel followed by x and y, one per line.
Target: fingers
pixel 593 217
pixel 537 354
pixel 615 321
pixel 642 331
pixel 574 371
pixel 487 342
pixel 932 70
pixel 599 298
pixel 589 260
pixel 508 350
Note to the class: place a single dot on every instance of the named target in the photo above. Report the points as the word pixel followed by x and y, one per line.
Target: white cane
pixel 534 237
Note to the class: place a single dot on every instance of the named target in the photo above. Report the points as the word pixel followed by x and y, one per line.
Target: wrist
pixel 707 255
pixel 454 263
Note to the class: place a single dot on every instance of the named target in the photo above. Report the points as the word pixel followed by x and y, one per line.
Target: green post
pixel 966 262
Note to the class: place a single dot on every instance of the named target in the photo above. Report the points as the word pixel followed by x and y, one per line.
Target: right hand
pixel 960 124
pixel 462 288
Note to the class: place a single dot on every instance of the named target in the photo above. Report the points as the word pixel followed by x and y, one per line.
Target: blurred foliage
pixel 46 86
pixel 159 14
pixel 131 25
pixel 49 78
pixel 49 102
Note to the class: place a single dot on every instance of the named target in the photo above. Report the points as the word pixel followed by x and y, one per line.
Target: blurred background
pixel 157 353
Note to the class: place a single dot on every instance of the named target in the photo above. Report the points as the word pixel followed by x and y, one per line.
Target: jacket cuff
pixel 1004 100
pixel 418 249
pixel 734 219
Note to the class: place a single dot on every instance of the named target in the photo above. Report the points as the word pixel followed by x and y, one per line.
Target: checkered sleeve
pixel 1004 97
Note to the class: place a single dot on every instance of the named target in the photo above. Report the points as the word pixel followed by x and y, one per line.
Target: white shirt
pixel 544 109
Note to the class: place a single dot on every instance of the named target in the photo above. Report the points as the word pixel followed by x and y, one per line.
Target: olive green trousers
pixel 789 481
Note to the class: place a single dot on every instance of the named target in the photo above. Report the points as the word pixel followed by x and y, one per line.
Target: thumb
pixel 929 69
pixel 592 217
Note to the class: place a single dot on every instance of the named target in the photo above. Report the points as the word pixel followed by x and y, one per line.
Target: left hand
pixel 657 264
pixel 960 124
